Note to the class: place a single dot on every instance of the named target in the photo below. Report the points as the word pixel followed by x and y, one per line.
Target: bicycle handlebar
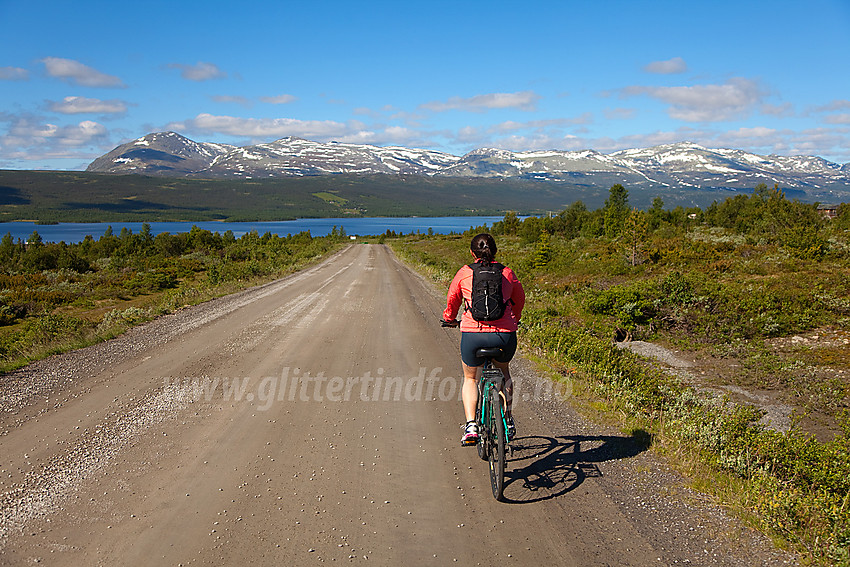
pixel 456 323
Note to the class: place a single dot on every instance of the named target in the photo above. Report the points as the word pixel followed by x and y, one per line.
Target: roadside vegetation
pixel 57 296
pixel 755 290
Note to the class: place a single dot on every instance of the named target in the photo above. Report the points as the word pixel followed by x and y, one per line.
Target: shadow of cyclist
pixel 541 468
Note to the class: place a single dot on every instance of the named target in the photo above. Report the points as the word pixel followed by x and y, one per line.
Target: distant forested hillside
pixel 95 197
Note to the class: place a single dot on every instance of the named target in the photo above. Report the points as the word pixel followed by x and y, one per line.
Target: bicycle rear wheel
pixel 496 433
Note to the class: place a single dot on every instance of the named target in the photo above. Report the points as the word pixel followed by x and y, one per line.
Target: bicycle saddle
pixel 488 352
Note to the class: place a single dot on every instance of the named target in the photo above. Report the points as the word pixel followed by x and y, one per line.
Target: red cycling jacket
pixel 460 293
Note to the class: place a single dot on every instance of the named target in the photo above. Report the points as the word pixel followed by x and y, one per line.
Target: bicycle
pixel 491 417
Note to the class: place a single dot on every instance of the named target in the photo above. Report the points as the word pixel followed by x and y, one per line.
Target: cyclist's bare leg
pixel 469 391
pixel 509 384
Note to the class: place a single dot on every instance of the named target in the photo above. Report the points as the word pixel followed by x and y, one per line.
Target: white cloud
pixel 509 126
pixel 512 134
pixel 834 114
pixel 830 143
pixel 783 110
pixel 705 103
pixel 279 99
pixel 668 67
pixel 382 136
pixel 200 71
pixel 525 100
pixel 366 111
pixel 513 126
pixel 841 118
pixel 81 105
pixel 262 128
pixel 367 137
pixel 759 139
pixel 834 106
pixel 410 118
pixel 80 134
pixel 228 99
pixel 78 73
pixel 648 140
pixel 265 129
pixel 470 135
pixel 13 74
pixel 540 141
pixel 391 113
pixel 620 113
pixel 400 134
pixel 29 138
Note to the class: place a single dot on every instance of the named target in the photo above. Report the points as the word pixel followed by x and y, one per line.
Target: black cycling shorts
pixel 471 342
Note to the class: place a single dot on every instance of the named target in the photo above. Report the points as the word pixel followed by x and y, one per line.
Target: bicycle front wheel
pixel 483 445
pixel 483 439
pixel 496 433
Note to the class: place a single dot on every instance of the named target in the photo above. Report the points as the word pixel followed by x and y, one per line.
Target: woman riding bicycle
pixel 476 334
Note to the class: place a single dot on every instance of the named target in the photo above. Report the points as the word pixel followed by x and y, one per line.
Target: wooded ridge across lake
pixel 71 196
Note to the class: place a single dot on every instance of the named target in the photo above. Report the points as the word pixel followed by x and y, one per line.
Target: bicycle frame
pixel 492 424
pixel 491 377
pixel 491 416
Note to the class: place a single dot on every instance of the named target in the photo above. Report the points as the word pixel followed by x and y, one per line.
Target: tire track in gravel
pixel 19 387
pixel 315 419
pixel 38 491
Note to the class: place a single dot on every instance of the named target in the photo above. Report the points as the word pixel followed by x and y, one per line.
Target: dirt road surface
pixel 316 420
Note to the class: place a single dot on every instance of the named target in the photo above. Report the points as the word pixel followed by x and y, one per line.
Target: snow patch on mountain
pixel 683 164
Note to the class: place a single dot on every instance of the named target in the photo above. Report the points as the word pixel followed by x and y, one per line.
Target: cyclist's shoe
pixel 470 434
pixel 511 428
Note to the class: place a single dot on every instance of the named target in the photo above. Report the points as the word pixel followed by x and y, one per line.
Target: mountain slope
pixel 162 153
pixel 681 165
pixel 299 157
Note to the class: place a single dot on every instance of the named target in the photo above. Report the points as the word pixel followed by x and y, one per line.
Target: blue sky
pixel 79 78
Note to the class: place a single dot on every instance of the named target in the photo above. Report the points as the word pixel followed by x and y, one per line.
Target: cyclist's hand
pixel 452 323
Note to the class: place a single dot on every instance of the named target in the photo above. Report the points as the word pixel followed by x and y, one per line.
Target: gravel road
pixel 315 420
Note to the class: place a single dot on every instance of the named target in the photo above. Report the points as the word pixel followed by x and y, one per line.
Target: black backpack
pixel 487 303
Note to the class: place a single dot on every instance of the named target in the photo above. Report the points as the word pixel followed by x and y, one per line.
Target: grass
pixel 331 198
pixel 122 281
pixel 732 300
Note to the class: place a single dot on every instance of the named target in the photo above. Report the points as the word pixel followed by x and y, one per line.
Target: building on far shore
pixel 828 211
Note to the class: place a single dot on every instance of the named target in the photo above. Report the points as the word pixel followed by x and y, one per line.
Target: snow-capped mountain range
pixel 680 165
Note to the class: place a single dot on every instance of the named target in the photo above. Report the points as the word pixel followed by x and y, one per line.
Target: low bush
pixel 41 283
pixel 727 282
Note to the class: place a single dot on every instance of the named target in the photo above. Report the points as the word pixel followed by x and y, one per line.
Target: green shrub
pixel 629 306
pixel 757 269
pixel 47 333
pixel 124 318
pixel 677 289
pixel 149 282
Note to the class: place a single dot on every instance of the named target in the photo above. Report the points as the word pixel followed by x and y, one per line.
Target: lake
pixel 76 232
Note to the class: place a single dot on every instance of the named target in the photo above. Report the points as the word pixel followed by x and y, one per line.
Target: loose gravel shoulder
pixel 688 527
pixel 133 452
